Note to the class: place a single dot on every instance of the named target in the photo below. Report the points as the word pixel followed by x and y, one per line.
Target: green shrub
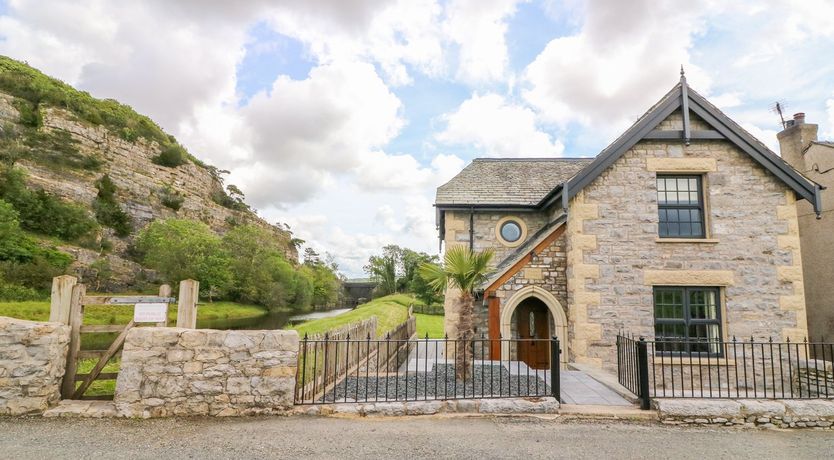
pixel 37 273
pixel 171 199
pixel 42 212
pixel 107 208
pixel 24 82
pixel 222 198
pixel 171 156
pixel 18 293
pixel 29 113
pixel 180 249
pixel 56 150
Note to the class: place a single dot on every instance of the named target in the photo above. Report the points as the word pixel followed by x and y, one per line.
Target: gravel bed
pixel 440 383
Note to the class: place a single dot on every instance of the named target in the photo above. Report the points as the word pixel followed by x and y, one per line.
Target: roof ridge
pixel 532 159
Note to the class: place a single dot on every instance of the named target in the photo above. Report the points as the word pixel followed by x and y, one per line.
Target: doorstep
pixel 82 409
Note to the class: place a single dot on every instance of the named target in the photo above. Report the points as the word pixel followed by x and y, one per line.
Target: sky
pixel 341 117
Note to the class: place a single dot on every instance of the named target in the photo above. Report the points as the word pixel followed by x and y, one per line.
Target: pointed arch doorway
pixel 533 312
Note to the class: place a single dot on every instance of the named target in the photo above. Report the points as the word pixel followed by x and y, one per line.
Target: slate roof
pixel 508 181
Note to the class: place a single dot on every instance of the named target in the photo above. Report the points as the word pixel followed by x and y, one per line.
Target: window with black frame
pixel 687 320
pixel 680 206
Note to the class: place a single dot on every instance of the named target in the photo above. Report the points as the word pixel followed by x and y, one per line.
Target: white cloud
pixel 498 128
pixel 829 104
pixel 625 57
pixel 767 136
pixel 478 28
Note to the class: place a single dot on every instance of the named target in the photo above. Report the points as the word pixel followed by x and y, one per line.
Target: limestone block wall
pixel 457 230
pixel 547 270
pixel 615 256
pixel 33 356
pixel 457 233
pixel 174 371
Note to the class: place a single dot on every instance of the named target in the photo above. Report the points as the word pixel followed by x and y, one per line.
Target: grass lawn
pixel 99 387
pixel 122 314
pixel 429 324
pixel 391 311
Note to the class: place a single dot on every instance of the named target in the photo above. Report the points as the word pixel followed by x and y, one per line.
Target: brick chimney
pixel 795 138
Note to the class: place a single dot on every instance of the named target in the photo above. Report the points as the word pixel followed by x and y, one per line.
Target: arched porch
pixel 528 301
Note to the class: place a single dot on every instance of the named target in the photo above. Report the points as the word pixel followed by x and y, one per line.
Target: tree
pixel 181 249
pixel 260 272
pixel 325 283
pixel 383 270
pixel 413 282
pixel 462 270
pixel 395 270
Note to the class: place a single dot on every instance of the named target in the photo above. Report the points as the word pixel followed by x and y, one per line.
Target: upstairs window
pixel 680 206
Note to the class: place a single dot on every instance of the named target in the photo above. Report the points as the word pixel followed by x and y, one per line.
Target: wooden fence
pixel 326 359
pixel 69 298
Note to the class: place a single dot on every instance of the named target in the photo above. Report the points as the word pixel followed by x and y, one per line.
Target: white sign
pixel 150 312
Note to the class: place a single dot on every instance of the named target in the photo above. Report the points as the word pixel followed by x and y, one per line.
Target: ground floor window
pixel 687 320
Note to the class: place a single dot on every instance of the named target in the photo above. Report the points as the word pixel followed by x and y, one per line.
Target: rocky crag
pixel 145 190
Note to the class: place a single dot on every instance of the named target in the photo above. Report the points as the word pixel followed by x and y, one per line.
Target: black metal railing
pixel 411 369
pixel 735 368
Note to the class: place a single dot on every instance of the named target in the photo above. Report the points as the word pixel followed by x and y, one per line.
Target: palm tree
pixel 463 270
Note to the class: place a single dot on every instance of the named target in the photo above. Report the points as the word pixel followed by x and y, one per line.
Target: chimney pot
pixel 799 118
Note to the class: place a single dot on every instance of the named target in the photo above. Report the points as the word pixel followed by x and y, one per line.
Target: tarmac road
pixel 404 437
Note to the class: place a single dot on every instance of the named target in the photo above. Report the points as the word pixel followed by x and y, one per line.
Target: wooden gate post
pixel 187 304
pixel 76 316
pixel 59 303
pixel 164 291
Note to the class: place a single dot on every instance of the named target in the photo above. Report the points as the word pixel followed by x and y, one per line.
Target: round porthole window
pixel 510 231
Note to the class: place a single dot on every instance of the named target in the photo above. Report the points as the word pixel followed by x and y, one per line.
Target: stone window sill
pixel 688 240
pixel 670 361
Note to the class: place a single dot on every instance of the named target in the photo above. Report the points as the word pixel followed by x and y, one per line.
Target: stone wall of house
pixel 173 371
pixel 547 270
pixel 33 356
pixel 615 256
pixel 457 230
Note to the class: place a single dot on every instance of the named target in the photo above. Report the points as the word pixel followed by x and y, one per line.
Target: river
pixel 269 321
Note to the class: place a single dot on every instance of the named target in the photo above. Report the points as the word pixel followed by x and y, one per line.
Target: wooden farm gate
pixel 69 299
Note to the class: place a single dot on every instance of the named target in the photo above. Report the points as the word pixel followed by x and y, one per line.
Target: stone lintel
pixel 688 277
pixel 683 165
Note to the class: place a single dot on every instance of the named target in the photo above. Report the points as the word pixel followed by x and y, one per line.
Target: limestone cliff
pixel 145 190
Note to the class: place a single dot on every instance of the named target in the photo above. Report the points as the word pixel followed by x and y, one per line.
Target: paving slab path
pixel 384 437
pixel 577 387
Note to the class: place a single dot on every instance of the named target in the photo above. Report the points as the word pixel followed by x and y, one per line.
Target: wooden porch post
pixel 494 321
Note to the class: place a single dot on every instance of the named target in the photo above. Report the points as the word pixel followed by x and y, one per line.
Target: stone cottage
pixel 800 147
pixel 684 227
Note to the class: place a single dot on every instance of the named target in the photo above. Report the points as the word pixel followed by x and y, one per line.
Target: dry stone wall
pixel 32 360
pixel 174 371
pixel 750 413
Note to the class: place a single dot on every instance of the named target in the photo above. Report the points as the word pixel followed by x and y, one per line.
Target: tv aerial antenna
pixel 779 108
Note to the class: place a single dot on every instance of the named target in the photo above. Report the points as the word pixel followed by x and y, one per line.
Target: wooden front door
pixel 533 324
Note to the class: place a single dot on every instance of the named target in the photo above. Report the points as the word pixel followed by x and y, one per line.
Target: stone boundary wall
pixel 33 357
pixel 184 372
pixel 544 405
pixel 780 413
